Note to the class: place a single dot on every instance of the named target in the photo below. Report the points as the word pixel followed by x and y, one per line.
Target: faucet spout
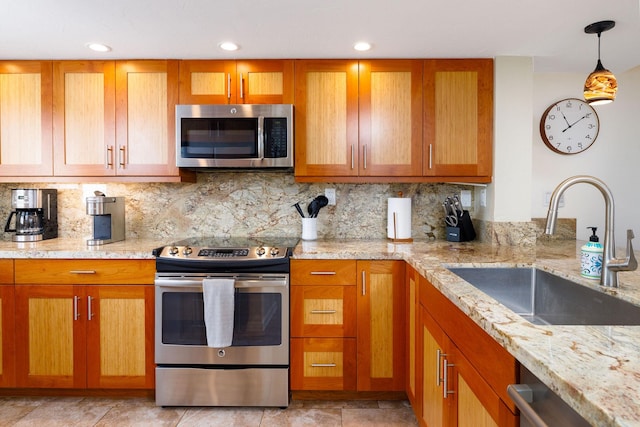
pixel 610 265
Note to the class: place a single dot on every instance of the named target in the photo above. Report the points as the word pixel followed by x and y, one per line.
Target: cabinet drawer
pixel 84 271
pixel 323 272
pixel 323 364
pixel 6 271
pixel 323 311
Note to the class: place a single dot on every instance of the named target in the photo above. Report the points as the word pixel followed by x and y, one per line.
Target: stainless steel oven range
pixel 253 369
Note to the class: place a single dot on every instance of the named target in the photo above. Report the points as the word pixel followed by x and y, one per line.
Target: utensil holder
pixel 309 228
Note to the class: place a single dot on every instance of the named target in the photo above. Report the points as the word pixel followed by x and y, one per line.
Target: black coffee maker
pixel 36 214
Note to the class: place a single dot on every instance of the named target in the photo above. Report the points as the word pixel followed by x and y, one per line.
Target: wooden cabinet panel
pixel 25 118
pixel 323 311
pixel 241 82
pixel 120 337
pixel 6 271
pixel 7 333
pixel 434 409
pixel 146 96
pixel 323 364
pixel 390 118
pixel 84 271
pixel 326 93
pixel 84 118
pixel 411 313
pixel 323 272
pixel 458 118
pixel 381 330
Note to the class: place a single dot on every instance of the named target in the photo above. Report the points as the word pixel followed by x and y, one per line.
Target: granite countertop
pixel 595 369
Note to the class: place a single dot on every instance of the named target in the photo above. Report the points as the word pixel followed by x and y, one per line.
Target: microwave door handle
pixel 261 137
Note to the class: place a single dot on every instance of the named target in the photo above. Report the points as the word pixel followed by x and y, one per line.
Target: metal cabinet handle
pixel 516 392
pixel 241 86
pixel 445 381
pixel 109 158
pixel 364 283
pixel 364 156
pixel 89 308
pixel 439 356
pixel 323 311
pixel 76 314
pixel 82 272
pixel 430 156
pixel 229 86
pixel 323 365
pixel 352 164
pixel 323 273
pixel 121 156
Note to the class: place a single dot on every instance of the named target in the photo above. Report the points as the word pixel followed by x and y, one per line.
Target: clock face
pixel 569 126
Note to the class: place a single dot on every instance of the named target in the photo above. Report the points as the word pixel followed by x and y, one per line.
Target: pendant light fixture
pixel 601 85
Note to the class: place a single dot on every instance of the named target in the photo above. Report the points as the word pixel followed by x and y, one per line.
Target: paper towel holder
pixel 394 239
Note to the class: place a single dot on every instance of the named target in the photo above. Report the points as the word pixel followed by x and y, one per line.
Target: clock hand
pixel 571 125
pixel 565 119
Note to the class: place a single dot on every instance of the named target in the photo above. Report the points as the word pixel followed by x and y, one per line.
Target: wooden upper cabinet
pixel 326 118
pixel 25 118
pixel 241 82
pixel 84 118
pixel 146 96
pixel 458 118
pixel 390 118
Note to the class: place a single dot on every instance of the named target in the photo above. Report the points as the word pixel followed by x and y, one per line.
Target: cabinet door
pixel 265 82
pixel 326 93
pixel 381 320
pixel 120 337
pixel 7 322
pixel 207 82
pixel 84 118
pixel 323 364
pixel 50 331
pixel 323 311
pixel 146 95
pixel 435 409
pixel 26 147
pixel 458 118
pixel 390 118
pixel 411 313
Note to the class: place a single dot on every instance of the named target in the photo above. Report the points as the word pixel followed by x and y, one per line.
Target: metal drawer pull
pixel 323 273
pixel 323 365
pixel 323 311
pixel 445 382
pixel 89 309
pixel 82 272
pixel 364 283
pixel 522 395
pixel 439 355
pixel 76 315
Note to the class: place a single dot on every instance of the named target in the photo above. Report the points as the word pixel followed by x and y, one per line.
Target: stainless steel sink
pixel 543 298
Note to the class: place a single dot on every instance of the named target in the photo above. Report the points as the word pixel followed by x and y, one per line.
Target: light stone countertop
pixel 596 369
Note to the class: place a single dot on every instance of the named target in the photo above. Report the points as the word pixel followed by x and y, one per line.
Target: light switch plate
pixel 330 194
pixel 465 198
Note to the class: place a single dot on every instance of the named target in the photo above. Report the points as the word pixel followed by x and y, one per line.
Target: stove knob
pixel 173 250
pixel 187 251
pixel 274 251
pixel 260 251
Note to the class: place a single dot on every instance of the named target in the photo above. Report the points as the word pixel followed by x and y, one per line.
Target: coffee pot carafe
pixel 35 213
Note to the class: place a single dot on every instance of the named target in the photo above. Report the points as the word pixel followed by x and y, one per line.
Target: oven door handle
pixel 239 283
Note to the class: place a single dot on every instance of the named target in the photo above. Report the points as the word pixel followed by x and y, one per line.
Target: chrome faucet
pixel 610 265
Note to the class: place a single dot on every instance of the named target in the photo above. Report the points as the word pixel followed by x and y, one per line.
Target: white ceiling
pixel 550 31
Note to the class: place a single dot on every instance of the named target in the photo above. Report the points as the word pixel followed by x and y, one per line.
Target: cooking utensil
pixel 312 208
pixel 317 204
pixel 299 209
pixel 322 202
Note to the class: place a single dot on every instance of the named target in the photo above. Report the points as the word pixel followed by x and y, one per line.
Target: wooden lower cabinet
pixel 411 313
pixel 7 331
pixel 347 325
pixel 97 336
pixel 454 387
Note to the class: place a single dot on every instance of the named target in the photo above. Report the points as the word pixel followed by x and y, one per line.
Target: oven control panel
pixel 212 254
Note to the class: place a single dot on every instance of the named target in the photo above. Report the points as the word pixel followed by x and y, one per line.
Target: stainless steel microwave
pixel 234 136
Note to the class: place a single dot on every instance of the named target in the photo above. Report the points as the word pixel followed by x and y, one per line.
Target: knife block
pixel 464 232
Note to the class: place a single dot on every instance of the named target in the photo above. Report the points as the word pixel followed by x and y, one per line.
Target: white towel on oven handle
pixel 218 296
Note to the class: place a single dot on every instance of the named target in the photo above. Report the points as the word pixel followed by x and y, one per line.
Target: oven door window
pixel 224 138
pixel 257 319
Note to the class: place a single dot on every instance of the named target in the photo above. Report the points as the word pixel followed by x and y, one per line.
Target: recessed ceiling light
pixel 362 46
pixel 229 46
pixel 98 47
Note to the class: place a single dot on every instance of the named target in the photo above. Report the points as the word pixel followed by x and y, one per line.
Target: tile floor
pixel 89 411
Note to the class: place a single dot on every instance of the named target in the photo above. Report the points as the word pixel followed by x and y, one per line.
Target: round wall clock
pixel 569 126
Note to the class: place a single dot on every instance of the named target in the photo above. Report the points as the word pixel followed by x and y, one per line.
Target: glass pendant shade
pixel 601 86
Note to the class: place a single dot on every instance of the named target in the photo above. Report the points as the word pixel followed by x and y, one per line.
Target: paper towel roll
pixel 399 218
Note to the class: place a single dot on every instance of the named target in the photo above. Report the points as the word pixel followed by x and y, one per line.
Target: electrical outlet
pixel 465 198
pixel 330 194
pixel 483 197
pixel 547 199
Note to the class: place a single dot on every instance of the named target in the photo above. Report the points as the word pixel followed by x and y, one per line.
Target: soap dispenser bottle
pixel 591 257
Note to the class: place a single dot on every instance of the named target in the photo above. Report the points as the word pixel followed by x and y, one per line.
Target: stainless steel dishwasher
pixel 539 406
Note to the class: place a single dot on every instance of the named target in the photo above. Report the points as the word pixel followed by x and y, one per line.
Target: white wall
pixel 614 157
